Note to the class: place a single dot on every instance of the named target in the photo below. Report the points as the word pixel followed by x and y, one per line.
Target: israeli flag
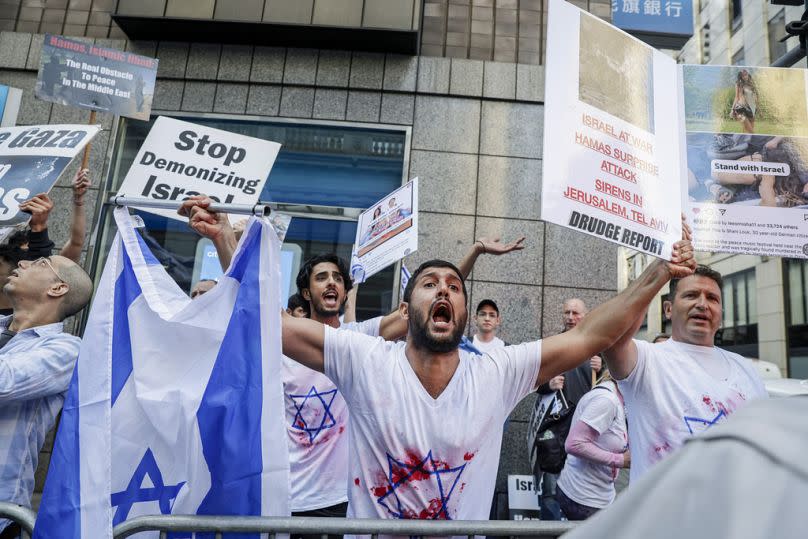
pixel 176 406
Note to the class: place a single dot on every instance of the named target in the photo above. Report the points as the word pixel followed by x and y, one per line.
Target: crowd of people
pixel 409 413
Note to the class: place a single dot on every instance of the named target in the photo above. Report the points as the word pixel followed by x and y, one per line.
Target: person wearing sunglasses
pixel 36 363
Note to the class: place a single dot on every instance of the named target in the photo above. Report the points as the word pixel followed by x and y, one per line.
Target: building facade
pixel 466 117
pixel 739 32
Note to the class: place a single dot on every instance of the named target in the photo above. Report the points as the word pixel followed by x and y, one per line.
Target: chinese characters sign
pixel 667 17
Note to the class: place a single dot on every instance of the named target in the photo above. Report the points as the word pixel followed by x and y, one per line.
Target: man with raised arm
pixel 680 387
pixel 316 413
pixel 427 418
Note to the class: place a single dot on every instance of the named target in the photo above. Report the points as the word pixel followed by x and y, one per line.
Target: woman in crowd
pixel 744 106
pixel 597 447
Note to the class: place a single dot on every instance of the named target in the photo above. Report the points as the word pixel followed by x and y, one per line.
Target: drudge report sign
pixel 181 159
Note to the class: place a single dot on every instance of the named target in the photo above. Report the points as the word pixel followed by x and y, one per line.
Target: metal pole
pixel 790 58
pixel 259 210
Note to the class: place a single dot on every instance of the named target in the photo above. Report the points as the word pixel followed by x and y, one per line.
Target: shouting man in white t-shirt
pixel 426 417
pixel 678 388
pixel 316 412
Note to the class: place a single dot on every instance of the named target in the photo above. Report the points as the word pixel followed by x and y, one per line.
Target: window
pixel 777 30
pixel 797 317
pixel 736 15
pixel 738 58
pixel 325 175
pixel 739 329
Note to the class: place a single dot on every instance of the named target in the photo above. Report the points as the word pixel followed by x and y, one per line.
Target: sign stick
pixel 86 158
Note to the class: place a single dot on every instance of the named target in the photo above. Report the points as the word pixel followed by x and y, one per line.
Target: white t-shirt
pixel 317 421
pixel 485 347
pixel 412 456
pixel 678 390
pixel 584 481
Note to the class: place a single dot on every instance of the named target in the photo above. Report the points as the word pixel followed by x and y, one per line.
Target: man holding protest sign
pixel 685 385
pixel 316 412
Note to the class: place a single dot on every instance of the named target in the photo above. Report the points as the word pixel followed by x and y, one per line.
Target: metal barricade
pixel 23 516
pixel 339 526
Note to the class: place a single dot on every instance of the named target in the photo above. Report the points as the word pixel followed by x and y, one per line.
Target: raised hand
pixel 208 223
pixel 39 207
pixel 557 382
pixel 81 182
pixel 493 246
pixel 683 261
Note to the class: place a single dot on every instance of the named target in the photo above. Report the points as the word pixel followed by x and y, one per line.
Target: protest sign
pixel 180 159
pixel 523 498
pixel 386 232
pixel 87 76
pixel 747 159
pixel 10 99
pixel 31 160
pixel 613 147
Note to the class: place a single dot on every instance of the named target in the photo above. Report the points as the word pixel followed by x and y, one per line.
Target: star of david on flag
pixel 420 489
pixel 175 406
pixel 314 412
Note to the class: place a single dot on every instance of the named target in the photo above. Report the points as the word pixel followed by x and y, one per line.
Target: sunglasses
pixel 46 262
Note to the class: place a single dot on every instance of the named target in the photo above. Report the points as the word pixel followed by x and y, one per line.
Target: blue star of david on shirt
pixel 314 399
pixel 690 422
pixel 136 493
pixel 445 478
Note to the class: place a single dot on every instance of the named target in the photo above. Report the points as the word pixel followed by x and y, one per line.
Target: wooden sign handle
pixel 86 158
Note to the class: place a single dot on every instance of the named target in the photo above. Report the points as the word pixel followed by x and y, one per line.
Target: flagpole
pixel 259 210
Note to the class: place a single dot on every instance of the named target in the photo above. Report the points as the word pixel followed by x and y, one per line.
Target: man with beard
pixel 316 412
pixel 427 418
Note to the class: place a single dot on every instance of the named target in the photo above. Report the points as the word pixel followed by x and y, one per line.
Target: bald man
pixel 36 363
pixel 577 382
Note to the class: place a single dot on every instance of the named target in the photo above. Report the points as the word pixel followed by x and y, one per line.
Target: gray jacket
pixel 746 478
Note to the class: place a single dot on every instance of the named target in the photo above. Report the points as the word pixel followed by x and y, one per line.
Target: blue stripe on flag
pixel 127 289
pixel 59 508
pixel 148 256
pixel 229 415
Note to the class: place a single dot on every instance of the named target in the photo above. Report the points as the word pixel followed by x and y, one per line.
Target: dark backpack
pixel 548 453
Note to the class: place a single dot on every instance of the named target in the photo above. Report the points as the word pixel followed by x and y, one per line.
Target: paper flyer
pixel 386 232
pixel 747 159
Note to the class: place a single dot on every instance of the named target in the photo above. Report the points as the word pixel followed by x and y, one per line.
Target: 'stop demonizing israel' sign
pixel 87 76
pixel 660 23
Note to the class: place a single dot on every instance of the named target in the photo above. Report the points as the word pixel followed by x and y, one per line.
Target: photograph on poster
pixel 752 170
pixel 389 218
pixel 750 100
pixel 617 79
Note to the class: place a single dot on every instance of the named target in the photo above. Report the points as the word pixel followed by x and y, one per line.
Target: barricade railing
pixel 23 516
pixel 338 526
